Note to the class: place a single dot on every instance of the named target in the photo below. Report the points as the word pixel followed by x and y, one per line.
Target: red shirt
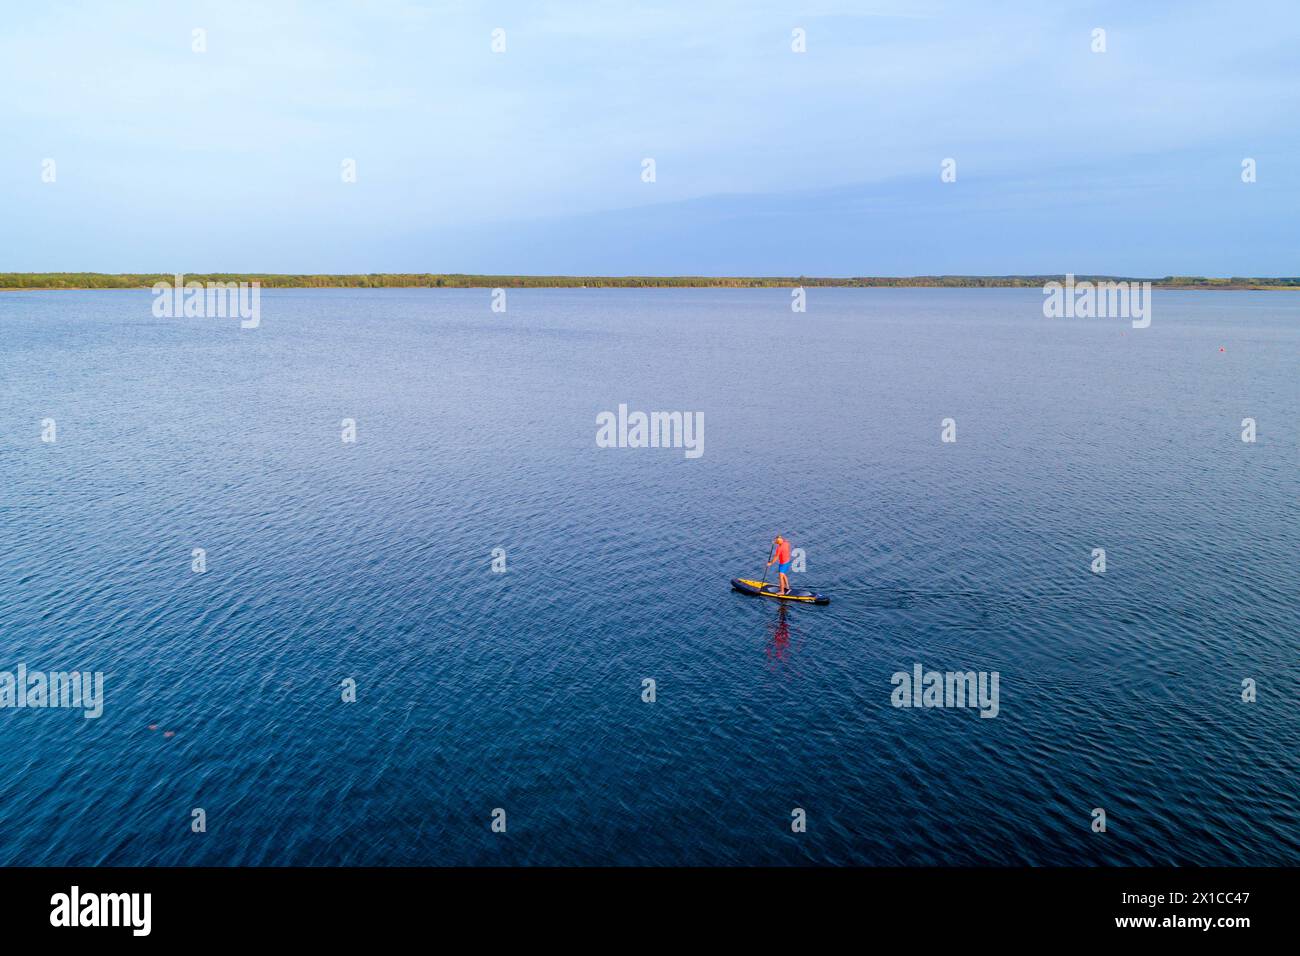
pixel 783 551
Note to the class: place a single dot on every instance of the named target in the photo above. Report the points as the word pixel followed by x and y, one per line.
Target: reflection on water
pixel 780 646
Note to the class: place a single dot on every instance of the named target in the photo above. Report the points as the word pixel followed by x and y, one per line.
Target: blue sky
pixel 767 161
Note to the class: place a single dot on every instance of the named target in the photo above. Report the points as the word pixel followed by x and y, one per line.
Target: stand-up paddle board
pixel 768 589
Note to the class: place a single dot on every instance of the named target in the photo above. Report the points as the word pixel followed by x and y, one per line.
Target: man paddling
pixel 781 558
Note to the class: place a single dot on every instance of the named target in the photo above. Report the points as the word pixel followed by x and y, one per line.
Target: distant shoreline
pixel 56 281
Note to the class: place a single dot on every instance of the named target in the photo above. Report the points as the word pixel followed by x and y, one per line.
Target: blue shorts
pixel 783 568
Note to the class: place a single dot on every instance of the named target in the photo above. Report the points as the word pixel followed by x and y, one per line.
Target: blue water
pixel 522 690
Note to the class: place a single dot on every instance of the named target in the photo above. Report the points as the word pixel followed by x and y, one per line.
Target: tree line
pixel 99 280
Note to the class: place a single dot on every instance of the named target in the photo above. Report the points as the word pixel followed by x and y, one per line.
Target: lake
pixel 329 564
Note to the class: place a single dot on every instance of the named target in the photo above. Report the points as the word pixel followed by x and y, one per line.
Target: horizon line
pixel 54 281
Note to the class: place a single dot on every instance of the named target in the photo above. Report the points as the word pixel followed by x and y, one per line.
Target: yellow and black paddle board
pixel 768 589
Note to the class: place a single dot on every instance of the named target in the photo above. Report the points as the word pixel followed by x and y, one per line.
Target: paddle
pixel 769 560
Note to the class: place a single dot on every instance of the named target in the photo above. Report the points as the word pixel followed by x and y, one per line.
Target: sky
pixel 767 161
